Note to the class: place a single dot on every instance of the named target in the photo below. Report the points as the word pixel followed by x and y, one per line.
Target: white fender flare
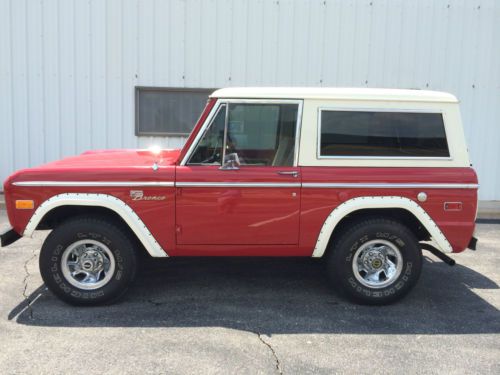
pixel 99 200
pixel 360 203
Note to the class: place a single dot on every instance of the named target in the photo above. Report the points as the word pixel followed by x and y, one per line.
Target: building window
pixel 168 111
pixel 382 134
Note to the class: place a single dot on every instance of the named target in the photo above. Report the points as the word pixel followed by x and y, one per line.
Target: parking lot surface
pixel 268 316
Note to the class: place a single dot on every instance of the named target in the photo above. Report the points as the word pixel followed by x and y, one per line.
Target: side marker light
pixel 25 204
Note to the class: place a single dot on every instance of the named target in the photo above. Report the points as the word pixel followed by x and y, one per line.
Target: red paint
pixel 241 221
pixel 237 215
pixel 457 226
pixel 114 165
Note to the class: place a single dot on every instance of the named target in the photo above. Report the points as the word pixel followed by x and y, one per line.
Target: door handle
pixel 289 173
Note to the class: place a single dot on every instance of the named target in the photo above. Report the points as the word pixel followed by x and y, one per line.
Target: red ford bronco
pixel 365 178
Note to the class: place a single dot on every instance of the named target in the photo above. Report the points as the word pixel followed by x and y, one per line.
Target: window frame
pixel 205 131
pixel 366 109
pixel 139 89
pixel 221 102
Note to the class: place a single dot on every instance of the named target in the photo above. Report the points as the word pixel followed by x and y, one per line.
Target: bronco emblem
pixel 138 195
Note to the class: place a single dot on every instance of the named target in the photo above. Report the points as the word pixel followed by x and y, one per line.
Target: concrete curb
pixel 487 209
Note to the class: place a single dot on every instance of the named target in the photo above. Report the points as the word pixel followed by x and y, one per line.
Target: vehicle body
pixel 303 167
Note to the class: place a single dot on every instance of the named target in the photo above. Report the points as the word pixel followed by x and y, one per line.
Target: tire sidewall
pixel 396 234
pixel 61 238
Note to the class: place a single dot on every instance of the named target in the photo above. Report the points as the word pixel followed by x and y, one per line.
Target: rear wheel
pixel 88 261
pixel 376 261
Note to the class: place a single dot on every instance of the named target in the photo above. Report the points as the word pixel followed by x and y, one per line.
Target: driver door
pixel 241 184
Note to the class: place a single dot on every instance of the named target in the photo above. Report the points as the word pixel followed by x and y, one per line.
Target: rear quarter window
pixel 346 133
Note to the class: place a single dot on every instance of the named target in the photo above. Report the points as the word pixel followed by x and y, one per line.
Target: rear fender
pixel 361 203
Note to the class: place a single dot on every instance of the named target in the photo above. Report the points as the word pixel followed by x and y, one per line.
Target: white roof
pixel 334 93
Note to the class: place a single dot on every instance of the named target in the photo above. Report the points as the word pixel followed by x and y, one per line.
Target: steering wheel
pixel 215 155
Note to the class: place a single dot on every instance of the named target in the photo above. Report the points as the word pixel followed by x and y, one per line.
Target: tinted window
pixel 397 134
pixel 163 111
pixel 209 149
pixel 262 134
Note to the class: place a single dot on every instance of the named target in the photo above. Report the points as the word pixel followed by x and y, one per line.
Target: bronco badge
pixel 138 195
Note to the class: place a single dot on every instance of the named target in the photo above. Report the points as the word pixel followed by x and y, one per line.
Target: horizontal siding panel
pixel 7 154
pixel 68 68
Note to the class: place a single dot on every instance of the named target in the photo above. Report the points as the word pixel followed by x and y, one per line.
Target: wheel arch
pixel 80 203
pixel 402 208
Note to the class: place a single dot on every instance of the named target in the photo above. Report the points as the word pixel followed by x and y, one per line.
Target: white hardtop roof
pixel 333 93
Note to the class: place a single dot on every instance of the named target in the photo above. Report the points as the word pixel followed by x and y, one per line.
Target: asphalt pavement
pixel 253 316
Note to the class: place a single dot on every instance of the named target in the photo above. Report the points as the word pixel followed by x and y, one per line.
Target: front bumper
pixel 8 236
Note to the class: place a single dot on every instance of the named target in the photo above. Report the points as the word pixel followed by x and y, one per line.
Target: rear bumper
pixel 9 236
pixel 472 243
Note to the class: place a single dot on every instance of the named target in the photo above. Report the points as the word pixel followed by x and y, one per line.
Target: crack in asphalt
pixel 25 282
pixel 276 359
pixel 258 334
pixel 154 303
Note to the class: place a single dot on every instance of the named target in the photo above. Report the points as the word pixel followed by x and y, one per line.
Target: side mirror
pixel 231 162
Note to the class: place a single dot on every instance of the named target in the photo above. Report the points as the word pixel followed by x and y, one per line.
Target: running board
pixel 445 258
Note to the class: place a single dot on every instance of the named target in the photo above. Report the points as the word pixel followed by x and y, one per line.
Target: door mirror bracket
pixel 231 162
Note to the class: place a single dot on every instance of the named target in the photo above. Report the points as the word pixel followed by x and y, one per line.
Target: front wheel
pixel 377 261
pixel 88 261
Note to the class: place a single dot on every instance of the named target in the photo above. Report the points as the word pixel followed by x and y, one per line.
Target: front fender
pixel 99 200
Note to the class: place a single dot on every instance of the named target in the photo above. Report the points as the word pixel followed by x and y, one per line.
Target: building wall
pixel 68 68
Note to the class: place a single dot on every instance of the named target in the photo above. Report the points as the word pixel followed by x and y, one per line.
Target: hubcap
pixel 88 264
pixel 377 263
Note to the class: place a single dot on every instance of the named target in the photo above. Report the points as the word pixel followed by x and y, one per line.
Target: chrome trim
pixel 95 183
pixel 367 273
pixel 200 134
pixel 317 185
pixel 288 173
pixel 422 196
pixel 327 185
pixel 265 101
pixel 454 202
pixel 91 262
pixel 240 184
pixel 383 158
pixel 367 109
pixel 224 140
pixel 298 131
pixel 204 130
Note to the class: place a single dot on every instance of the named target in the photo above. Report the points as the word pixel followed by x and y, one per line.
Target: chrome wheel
pixel 377 263
pixel 88 264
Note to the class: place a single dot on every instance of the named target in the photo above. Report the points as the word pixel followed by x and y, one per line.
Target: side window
pixel 262 134
pixel 383 134
pixel 209 149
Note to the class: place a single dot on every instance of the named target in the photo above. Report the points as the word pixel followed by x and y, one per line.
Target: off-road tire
pixel 98 229
pixel 340 258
